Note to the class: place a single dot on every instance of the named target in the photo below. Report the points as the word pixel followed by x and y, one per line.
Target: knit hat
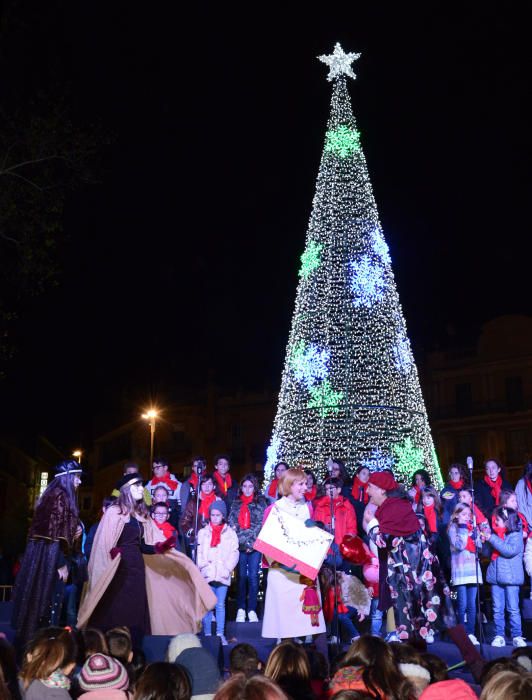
pixel 101 672
pixel 443 690
pixel 128 479
pixel 383 480
pixel 220 506
pixel 201 666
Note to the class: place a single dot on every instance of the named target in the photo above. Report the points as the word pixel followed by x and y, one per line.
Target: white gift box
pixel 287 540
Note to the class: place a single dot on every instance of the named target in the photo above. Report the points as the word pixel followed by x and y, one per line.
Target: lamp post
pixel 77 454
pixel 151 417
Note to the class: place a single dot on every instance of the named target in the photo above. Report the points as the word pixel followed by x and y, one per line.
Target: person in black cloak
pixel 39 586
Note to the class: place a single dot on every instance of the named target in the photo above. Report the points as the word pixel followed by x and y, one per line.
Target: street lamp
pixel 151 417
pixel 77 454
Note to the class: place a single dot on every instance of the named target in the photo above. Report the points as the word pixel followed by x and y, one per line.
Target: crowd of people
pixel 165 552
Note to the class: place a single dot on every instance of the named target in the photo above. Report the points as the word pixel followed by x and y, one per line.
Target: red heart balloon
pixel 353 549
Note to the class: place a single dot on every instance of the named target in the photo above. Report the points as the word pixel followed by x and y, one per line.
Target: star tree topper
pixel 339 63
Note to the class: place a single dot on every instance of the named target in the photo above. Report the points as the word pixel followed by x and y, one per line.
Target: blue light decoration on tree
pixel 368 282
pixel 350 387
pixel 309 363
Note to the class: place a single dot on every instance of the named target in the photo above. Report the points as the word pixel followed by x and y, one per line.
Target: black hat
pixel 128 479
pixel 69 466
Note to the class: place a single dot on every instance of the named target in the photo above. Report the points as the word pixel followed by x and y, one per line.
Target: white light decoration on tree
pixel 350 387
pixel 309 363
pixel 368 283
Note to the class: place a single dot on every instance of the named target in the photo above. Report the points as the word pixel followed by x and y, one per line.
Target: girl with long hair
pixel 40 583
pixel 245 518
pixel 505 573
pixel 49 659
pixel 136 578
pixel 271 491
pixel 457 478
pixel 369 665
pixel 523 492
pixel 465 569
pixel 289 667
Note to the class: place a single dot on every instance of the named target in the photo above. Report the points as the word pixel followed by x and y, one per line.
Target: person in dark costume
pixel 39 588
pixel 160 593
pixel 410 577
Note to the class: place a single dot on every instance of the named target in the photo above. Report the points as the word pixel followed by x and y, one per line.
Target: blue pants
pixel 467 603
pixel 346 622
pixel 506 598
pixel 248 576
pixel 220 591
pixel 376 616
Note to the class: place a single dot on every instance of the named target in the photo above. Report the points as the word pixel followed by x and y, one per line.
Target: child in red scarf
pixel 160 515
pixel 360 485
pixel 217 557
pixel 245 518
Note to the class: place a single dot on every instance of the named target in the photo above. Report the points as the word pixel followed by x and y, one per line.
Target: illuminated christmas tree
pixel 350 387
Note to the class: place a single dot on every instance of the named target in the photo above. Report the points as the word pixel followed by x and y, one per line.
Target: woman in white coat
pixel 284 614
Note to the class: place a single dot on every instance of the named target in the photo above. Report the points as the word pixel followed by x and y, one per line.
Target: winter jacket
pixel 507 569
pixel 247 537
pixel 217 563
pixel 462 560
pixel 38 691
pixel 524 500
pixel 483 498
pixel 345 517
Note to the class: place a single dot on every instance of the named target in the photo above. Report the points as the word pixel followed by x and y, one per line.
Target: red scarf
pixel 166 479
pixel 524 523
pixel 311 495
pixel 216 534
pixel 244 516
pixel 193 480
pixel 479 515
pixel 396 517
pixel 417 495
pixel 360 490
pixel 272 491
pixel 167 529
pixel 224 482
pixel 470 545
pixel 205 502
pixel 328 603
pixel 430 515
pixel 457 485
pixel 501 532
pixel 495 487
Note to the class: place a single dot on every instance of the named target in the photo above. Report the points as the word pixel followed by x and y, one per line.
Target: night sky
pixel 181 262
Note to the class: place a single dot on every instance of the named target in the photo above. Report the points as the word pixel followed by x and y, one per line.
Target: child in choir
pixel 464 565
pixel 505 573
pixel 217 557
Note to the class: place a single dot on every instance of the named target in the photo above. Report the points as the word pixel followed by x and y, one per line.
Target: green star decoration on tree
pixel 342 141
pixel 310 259
pixel 324 399
pixel 408 458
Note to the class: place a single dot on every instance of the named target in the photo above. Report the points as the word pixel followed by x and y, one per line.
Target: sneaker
pixel 241 615
pixel 298 640
pixel 519 642
pixel 430 637
pixel 252 616
pixel 474 640
pixel 353 639
pixel 223 640
pixel 332 639
pixel 309 639
pixel 499 641
pixel 392 637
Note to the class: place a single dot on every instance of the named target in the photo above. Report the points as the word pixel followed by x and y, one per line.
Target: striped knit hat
pixel 101 671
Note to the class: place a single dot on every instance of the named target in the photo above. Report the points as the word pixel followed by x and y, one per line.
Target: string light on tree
pixel 350 387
